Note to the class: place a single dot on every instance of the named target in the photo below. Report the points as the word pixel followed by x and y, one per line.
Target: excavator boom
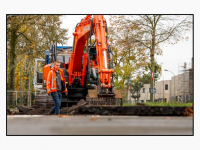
pixel 88 64
pixel 85 29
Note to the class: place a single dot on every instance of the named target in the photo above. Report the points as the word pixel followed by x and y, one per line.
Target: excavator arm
pixel 77 67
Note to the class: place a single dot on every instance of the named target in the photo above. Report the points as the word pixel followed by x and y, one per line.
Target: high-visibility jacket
pixel 51 81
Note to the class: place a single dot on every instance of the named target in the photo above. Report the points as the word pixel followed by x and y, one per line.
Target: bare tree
pixel 152 30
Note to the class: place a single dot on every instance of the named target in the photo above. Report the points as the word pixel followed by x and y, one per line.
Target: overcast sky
pixel 173 55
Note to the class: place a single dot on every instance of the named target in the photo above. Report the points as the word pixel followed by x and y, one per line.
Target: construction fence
pixel 24 98
pixel 158 97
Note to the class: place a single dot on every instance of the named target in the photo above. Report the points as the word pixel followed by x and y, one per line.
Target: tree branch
pixel 26 37
pixel 172 31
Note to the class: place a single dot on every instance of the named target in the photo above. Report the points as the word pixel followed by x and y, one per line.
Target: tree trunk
pixel 152 61
pixel 11 82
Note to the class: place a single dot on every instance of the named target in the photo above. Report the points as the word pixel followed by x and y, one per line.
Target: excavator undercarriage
pixel 94 99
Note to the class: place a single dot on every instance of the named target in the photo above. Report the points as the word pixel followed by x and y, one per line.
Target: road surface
pixel 98 125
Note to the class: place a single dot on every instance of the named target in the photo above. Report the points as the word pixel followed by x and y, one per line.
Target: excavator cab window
pixel 92 52
pixel 60 59
pixel 67 58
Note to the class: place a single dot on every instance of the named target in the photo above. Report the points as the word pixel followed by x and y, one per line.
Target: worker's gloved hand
pixel 66 93
pixel 49 94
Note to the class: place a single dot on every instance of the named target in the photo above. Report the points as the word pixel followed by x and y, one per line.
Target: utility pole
pixel 184 82
pixel 153 84
pixel 174 89
pixel 153 89
pixel 163 89
pixel 130 89
pixel 174 81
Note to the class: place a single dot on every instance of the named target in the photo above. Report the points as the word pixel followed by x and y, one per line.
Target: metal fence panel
pixel 15 98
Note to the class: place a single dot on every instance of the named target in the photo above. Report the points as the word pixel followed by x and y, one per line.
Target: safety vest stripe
pixel 52 79
pixel 51 89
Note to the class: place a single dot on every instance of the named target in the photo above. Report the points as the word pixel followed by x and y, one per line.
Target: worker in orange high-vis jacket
pixel 56 85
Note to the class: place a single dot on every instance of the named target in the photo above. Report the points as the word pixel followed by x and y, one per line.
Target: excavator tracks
pixel 104 101
pixel 93 99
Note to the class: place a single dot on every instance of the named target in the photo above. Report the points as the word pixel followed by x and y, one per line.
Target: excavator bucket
pixel 94 99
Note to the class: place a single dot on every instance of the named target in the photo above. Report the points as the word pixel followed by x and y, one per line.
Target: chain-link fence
pixel 25 98
pixel 141 97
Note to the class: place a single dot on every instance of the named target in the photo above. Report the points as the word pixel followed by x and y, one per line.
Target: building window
pixel 143 90
pixel 166 86
pixel 160 99
pixel 165 100
pixel 187 97
pixel 141 101
pixel 147 101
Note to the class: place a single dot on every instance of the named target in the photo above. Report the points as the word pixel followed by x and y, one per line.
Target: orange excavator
pixel 88 70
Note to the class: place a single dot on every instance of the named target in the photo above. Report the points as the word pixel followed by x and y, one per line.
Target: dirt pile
pixel 137 110
pixel 82 109
pixel 39 110
pixel 188 112
pixel 24 110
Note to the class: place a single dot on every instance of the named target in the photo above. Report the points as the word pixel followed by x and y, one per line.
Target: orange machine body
pixel 77 66
pixel 46 70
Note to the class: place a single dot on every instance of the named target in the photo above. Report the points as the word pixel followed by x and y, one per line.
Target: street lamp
pixel 163 90
pixel 174 81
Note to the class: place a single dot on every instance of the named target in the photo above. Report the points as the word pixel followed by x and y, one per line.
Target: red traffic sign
pixel 152 75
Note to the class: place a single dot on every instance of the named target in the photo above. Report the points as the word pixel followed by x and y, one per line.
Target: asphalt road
pixel 98 125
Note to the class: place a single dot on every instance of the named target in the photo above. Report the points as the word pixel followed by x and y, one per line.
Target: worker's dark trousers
pixel 57 97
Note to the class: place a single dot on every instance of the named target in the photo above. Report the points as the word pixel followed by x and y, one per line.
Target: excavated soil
pixel 23 110
pixel 137 111
pixel 41 110
pixel 83 109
